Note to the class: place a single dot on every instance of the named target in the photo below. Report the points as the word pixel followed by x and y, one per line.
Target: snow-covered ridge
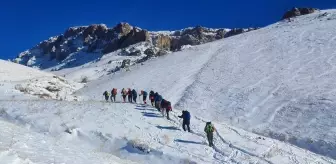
pixel 98 39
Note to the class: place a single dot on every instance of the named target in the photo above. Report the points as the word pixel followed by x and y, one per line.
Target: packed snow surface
pixel 277 81
pixel 99 132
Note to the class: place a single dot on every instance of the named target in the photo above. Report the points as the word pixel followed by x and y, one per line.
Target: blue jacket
pixel 158 98
pixel 145 93
pixel 185 115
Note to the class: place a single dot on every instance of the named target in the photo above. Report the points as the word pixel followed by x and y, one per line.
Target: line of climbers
pixel 162 105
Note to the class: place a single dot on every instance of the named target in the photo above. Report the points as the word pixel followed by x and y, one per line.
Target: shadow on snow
pixel 150 114
pixel 191 142
pixel 168 127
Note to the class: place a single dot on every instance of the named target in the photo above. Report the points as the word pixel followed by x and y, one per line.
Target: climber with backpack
pixel 209 129
pixel 165 108
pixel 107 95
pixel 158 99
pixel 114 94
pixel 134 95
pixel 129 93
pixel 124 94
pixel 186 120
pixel 151 97
pixel 144 96
pixel 168 109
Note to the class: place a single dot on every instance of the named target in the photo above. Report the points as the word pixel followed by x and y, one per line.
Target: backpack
pixel 187 115
pixel 124 92
pixel 169 108
pixel 114 91
pixel 209 128
pixel 163 103
pixel 159 98
pixel 134 93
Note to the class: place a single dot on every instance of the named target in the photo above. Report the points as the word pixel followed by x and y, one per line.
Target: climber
pixel 129 93
pixel 186 120
pixel 144 96
pixel 114 94
pixel 107 95
pixel 134 95
pixel 165 108
pixel 209 129
pixel 151 97
pixel 124 94
pixel 158 98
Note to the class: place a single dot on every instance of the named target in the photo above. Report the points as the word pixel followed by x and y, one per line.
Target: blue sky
pixel 26 23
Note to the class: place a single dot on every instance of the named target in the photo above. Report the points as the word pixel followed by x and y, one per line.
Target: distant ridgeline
pixel 99 39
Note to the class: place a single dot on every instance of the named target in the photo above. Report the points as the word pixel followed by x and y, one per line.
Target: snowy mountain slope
pixel 21 82
pixel 169 75
pixel 279 85
pixel 276 81
pixel 99 132
pixel 16 72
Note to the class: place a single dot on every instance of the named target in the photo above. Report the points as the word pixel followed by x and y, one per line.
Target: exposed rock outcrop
pixel 122 29
pixel 133 37
pixel 294 12
pixel 162 41
pixel 150 52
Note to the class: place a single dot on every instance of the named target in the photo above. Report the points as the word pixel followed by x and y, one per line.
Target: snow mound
pixel 21 82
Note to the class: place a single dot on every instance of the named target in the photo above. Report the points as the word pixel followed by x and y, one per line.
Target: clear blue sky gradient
pixel 25 23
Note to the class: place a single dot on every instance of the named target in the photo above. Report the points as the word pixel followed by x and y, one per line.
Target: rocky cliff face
pixel 99 39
